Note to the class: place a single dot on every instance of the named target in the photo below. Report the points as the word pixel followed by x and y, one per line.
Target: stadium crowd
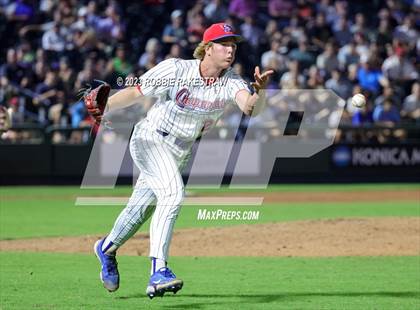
pixel 52 49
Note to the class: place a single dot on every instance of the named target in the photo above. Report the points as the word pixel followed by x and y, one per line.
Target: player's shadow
pixel 225 299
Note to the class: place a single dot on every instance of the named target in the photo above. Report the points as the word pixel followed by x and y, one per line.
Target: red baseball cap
pixel 220 31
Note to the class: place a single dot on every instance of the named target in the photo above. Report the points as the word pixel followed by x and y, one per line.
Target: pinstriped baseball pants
pixel 159 188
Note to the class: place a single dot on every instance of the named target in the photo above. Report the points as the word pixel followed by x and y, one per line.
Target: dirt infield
pixel 316 238
pixel 384 236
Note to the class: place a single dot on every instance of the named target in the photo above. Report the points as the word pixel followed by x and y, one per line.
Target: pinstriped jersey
pixel 187 106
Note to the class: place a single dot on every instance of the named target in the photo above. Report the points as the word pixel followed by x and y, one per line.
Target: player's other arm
pixel 252 105
pixel 123 98
pixel 130 95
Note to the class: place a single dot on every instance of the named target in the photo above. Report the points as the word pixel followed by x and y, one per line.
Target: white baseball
pixel 358 100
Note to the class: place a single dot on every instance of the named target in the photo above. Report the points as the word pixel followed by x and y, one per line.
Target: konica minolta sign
pixel 375 156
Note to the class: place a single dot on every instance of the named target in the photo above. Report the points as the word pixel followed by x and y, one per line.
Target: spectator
pixel 292 78
pixel 304 10
pixel 398 67
pixel 359 45
pixel 6 90
pixel 295 30
pixel 175 32
pixel 342 32
pixel 339 11
pixel 110 27
pixel 348 55
pixel 120 64
pixel 384 33
pixel 315 79
pixel 20 11
pixel 66 75
pixel 243 8
pixel 359 24
pixel 280 8
pixel 197 9
pixel 216 11
pixel 352 74
pixel 53 40
pixel 370 76
pixel 411 105
pixel 362 116
pixel 47 90
pixel 251 32
pixel 13 70
pixel 327 61
pixel 99 67
pixel 85 76
pixel 239 69
pixel 175 51
pixel 339 84
pixel 407 32
pixel 325 7
pixel 302 54
pixel 17 110
pixel 54 117
pixel 152 52
pixel 4 120
pixel 320 32
pixel 384 14
pixel 92 17
pixel 375 51
pixel 40 70
pixel 273 56
pixel 387 93
pixel 196 28
pixel 386 114
pixel 86 41
pixel 25 54
pixel 396 11
pixel 81 24
pixel 271 29
pixel 77 113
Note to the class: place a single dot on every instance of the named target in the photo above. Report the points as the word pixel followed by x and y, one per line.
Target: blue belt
pixel 163 133
pixel 179 142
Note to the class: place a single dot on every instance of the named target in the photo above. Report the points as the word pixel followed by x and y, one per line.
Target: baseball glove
pixel 95 101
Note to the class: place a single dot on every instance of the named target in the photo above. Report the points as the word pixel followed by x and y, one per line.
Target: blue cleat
pixel 163 281
pixel 109 274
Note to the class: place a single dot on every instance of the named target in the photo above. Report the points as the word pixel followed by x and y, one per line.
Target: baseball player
pixel 191 95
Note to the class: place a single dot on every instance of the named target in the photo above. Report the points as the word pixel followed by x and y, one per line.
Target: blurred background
pixel 52 49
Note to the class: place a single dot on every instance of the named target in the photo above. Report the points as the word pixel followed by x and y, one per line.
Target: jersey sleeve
pixel 234 85
pixel 158 80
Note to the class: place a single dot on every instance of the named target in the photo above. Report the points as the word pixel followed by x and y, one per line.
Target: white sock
pixel 157 263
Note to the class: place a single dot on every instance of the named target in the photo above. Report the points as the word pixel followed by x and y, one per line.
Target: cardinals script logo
pixel 181 97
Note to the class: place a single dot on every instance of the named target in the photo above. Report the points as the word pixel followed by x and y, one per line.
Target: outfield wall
pixel 66 164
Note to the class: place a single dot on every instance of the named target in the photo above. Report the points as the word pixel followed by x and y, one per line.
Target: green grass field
pixel 71 281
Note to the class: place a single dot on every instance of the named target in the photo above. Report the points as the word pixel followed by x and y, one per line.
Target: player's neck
pixel 208 70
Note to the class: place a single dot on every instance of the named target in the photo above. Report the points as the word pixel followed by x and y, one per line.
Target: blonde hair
pixel 200 50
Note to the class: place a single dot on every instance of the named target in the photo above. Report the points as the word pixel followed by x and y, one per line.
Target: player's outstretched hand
pixel 261 79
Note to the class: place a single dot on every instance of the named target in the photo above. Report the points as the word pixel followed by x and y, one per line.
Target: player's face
pixel 223 53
